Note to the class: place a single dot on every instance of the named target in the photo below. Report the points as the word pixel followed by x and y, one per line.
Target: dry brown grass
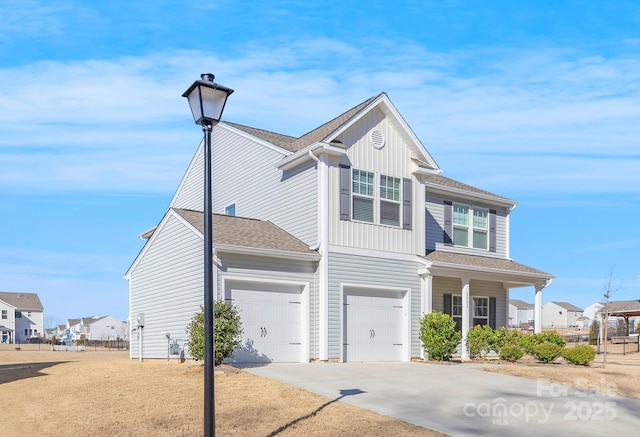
pixel 620 375
pixel 99 393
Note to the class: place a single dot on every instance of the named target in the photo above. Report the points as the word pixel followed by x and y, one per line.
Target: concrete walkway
pixel 461 400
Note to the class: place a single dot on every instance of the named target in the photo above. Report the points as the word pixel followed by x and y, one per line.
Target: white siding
pixel 374 272
pixel 394 159
pixel 434 227
pixel 245 172
pixel 167 286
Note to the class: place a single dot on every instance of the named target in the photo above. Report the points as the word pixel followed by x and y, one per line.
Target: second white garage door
pixel 373 326
pixel 271 317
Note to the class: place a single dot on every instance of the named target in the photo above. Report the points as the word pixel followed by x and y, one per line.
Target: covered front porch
pixel 475 289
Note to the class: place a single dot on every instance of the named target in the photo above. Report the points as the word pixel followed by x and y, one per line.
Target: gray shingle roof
pixel 22 301
pixel 483 262
pixel 568 306
pixel 293 144
pixel 521 304
pixel 246 232
pixel 450 183
pixel 629 307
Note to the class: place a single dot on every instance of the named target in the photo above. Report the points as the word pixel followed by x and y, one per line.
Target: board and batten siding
pixel 442 285
pixel 245 172
pixel 273 270
pixel 166 285
pixel 434 227
pixel 394 159
pixel 377 273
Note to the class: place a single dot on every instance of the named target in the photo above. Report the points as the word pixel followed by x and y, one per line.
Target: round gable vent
pixel 377 139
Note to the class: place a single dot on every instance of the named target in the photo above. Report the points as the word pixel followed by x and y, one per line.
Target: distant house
pixel 561 315
pixel 21 317
pixel 520 312
pixel 103 328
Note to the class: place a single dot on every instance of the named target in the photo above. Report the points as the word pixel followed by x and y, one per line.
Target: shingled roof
pixel 456 185
pixel 22 301
pixel 483 262
pixel 521 304
pixel 293 144
pixel 568 306
pixel 246 233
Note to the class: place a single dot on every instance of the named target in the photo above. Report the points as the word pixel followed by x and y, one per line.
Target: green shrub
pixel 529 342
pixel 547 352
pixel 479 339
pixel 511 352
pixel 580 355
pixel 227 332
pixel 439 336
pixel 503 337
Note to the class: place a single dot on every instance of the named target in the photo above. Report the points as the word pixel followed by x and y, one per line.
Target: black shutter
pixel 447 304
pixel 448 223
pixel 406 203
pixel 492 312
pixel 345 192
pixel 492 230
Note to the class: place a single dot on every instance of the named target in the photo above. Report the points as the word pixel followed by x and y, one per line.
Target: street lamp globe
pixel 207 99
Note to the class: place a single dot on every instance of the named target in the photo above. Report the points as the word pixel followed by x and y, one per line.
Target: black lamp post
pixel 207 100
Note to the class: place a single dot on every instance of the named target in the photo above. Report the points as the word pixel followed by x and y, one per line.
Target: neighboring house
pixel 561 315
pixel 333 244
pixel 74 329
pixel 21 317
pixel 104 328
pixel 520 312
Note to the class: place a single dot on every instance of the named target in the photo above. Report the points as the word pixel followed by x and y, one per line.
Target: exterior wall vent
pixel 377 138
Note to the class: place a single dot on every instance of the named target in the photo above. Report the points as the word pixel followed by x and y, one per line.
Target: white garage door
pixel 373 326
pixel 271 317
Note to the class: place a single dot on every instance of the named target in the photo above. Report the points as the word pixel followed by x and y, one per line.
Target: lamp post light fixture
pixel 207 100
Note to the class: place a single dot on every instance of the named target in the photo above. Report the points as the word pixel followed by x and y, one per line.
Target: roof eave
pixel 489 270
pixel 303 155
pixel 309 256
pixel 471 195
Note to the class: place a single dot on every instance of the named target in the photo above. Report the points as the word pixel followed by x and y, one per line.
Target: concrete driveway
pixel 461 400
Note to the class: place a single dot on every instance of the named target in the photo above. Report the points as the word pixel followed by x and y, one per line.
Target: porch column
pixel 537 312
pixel 426 286
pixel 465 318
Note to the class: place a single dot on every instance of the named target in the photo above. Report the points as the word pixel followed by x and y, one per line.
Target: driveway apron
pixel 461 400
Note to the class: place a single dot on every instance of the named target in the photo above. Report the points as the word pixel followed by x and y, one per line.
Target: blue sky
pixel 538 101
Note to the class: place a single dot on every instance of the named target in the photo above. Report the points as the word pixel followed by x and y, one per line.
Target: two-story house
pixel 561 315
pixel 520 312
pixel 21 317
pixel 332 244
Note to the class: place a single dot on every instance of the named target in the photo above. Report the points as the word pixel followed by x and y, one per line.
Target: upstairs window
pixel 363 195
pixel 389 200
pixel 470 226
pixel 18 314
pixel 230 209
pixel 4 314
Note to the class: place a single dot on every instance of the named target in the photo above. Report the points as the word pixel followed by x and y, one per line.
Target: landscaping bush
pixel 547 352
pixel 479 340
pixel 504 337
pixel 529 342
pixel 439 336
pixel 511 352
pixel 227 332
pixel 580 355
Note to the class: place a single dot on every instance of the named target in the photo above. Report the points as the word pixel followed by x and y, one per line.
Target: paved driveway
pixel 461 400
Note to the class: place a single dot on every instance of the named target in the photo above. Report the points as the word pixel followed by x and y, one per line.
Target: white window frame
pixel 384 198
pixel 454 316
pixel 358 194
pixel 475 316
pixel 5 314
pixel 470 226
pixel 228 208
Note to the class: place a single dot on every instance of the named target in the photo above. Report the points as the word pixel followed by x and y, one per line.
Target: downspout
pixel 322 246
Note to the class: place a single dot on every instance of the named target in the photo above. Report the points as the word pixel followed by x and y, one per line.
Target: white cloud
pixel 122 124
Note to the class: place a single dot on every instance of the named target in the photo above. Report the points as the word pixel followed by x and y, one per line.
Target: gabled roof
pixel 22 301
pixel 567 306
pixel 453 186
pixel 293 144
pixel 521 304
pixel 484 264
pixel 232 231
pixel 623 307
pixel 73 322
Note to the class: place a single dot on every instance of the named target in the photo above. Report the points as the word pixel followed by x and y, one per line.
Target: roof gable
pixel 521 304
pixel 567 306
